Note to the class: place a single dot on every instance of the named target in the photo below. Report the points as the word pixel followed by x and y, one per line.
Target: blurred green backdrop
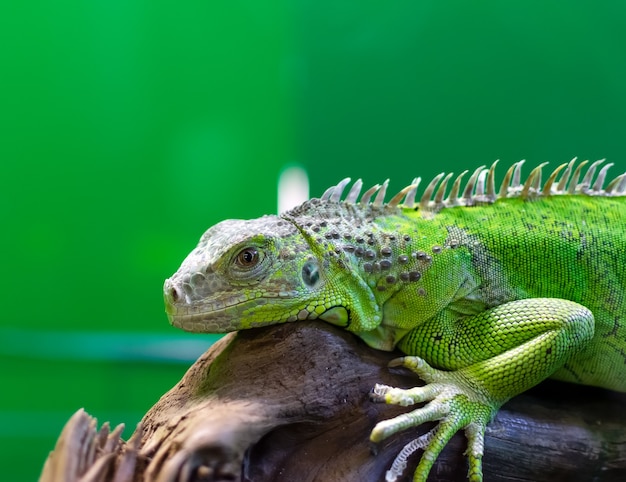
pixel 128 127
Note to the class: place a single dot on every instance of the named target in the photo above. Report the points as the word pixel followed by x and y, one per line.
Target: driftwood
pixel 291 403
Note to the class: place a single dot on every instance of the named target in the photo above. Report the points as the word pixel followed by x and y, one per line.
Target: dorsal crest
pixel 480 187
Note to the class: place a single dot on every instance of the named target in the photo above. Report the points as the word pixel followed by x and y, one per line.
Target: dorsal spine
pixel 480 188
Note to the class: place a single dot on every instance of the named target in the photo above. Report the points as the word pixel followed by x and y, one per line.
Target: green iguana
pixel 487 293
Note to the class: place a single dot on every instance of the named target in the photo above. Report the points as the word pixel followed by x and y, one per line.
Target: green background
pixel 129 127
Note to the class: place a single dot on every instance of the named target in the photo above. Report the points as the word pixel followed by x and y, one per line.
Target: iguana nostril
pixel 171 293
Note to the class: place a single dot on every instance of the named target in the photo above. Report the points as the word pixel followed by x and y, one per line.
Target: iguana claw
pixel 451 401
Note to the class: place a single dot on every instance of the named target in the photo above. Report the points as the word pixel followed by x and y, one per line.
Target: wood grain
pixel 291 403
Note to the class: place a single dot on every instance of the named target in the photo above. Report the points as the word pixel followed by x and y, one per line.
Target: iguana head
pixel 258 272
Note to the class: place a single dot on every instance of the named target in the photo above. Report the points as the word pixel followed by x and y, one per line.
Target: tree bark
pixel 291 402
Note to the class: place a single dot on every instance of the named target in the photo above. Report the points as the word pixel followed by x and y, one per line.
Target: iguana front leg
pixel 517 345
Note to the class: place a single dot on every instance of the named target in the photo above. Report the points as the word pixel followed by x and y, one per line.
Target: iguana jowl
pixel 488 293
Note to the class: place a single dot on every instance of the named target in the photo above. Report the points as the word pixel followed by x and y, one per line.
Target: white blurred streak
pixel 293 188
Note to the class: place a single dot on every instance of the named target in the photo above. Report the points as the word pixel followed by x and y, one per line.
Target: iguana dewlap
pixel 488 293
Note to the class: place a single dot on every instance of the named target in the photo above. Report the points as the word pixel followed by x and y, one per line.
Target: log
pixel 291 402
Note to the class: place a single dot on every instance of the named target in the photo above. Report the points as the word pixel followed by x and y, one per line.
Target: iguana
pixel 487 293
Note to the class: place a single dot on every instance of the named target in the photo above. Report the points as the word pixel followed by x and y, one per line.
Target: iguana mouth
pixel 214 316
pixel 219 321
pixel 178 301
pixel 200 322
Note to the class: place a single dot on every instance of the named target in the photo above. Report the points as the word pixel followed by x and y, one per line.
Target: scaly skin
pixel 487 294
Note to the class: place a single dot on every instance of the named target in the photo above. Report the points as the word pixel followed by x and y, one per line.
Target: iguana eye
pixel 247 258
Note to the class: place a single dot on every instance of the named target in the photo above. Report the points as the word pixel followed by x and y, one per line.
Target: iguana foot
pixel 452 401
